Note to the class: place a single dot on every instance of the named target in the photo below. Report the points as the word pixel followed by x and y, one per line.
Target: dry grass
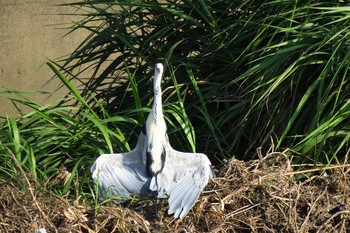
pixel 257 196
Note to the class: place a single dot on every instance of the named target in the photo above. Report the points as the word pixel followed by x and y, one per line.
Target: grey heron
pixel 154 167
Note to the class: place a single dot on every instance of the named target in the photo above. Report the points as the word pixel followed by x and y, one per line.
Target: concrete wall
pixel 29 34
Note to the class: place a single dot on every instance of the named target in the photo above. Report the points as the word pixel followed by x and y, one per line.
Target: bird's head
pixel 158 71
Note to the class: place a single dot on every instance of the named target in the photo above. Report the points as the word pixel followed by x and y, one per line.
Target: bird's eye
pixel 158 67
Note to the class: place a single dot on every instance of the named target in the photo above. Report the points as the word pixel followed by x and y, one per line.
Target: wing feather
pixel 184 177
pixel 123 174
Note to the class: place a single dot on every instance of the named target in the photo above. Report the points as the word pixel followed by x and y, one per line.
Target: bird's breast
pixel 155 154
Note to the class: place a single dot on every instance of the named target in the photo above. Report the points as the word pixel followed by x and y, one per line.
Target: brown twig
pixel 333 216
pixel 316 169
pixel 31 190
pixel 310 211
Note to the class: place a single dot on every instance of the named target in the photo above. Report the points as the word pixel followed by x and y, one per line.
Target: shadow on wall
pixel 30 33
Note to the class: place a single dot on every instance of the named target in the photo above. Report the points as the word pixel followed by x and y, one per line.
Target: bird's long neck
pixel 157 107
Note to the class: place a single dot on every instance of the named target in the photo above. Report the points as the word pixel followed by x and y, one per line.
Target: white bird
pixel 154 167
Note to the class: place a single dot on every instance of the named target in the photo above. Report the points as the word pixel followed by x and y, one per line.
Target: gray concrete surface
pixel 31 32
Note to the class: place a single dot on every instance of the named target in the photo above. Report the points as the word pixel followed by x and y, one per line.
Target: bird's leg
pixel 156 217
pixel 145 211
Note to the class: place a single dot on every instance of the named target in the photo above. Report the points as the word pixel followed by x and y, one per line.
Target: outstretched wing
pixel 123 174
pixel 183 179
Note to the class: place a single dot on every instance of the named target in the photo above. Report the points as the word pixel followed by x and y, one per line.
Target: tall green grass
pixel 52 140
pixel 247 74
pixel 238 76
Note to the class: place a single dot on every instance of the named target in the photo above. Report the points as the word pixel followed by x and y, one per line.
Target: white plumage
pixel 156 126
pixel 154 167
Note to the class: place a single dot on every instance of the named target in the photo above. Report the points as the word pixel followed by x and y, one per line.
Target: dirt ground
pixel 265 195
